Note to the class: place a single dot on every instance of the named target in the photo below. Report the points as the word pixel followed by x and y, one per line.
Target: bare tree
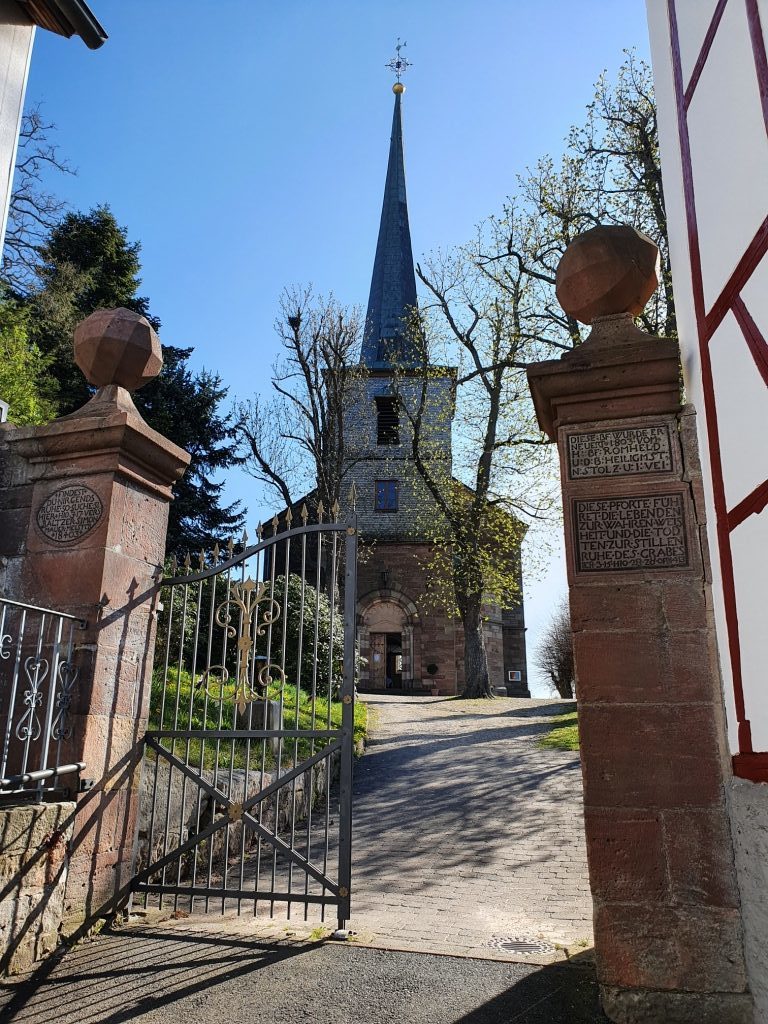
pixel 609 174
pixel 498 479
pixel 620 143
pixel 33 211
pixel 554 653
pixel 294 441
pixel 495 308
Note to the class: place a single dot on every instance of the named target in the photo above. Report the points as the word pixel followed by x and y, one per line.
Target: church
pixel 407 643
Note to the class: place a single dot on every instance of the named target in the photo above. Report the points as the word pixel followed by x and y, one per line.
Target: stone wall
pixel 435 634
pixel 83 514
pixel 416 509
pixel 34 842
pixel 668 930
pixel 396 572
pixel 748 806
pixel 393 569
pixel 513 623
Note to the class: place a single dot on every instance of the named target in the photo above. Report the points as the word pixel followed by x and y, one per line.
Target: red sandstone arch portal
pixel 387 631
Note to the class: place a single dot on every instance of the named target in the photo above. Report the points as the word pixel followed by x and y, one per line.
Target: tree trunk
pixel 477 680
pixel 564 687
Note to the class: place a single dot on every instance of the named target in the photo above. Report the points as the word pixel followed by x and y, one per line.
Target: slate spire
pixel 393 284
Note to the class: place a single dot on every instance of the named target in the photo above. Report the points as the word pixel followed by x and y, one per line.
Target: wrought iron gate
pixel 247 790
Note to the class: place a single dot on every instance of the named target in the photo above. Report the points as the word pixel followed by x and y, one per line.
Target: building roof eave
pixel 66 18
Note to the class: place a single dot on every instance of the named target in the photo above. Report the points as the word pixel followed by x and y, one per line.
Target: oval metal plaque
pixel 69 513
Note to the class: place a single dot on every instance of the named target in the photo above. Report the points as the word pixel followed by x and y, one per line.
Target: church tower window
pixel 387 421
pixel 387 493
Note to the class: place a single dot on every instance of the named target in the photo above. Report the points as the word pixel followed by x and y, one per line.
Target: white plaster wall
pixel 16 37
pixel 749 548
pixel 729 147
pixel 749 825
pixel 729 152
pixel 698 15
pixel 741 398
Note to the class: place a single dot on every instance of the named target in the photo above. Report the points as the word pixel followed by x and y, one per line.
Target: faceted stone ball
pixel 607 270
pixel 117 346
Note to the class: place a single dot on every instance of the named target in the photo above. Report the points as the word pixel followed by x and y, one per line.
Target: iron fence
pixel 37 685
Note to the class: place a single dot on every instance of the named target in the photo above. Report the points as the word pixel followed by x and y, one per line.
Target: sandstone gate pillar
pixel 653 748
pixel 91 543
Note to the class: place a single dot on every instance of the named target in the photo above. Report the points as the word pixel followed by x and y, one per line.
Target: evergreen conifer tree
pixel 88 263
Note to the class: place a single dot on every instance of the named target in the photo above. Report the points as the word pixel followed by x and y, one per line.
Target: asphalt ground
pixel 176 973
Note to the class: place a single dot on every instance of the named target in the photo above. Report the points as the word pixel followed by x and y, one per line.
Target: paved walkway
pixel 465 832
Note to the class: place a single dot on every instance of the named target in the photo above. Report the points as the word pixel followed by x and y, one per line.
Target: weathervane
pixel 399 64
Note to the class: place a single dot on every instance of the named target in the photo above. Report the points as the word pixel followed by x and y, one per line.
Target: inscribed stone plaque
pixel 623 452
pixel 69 513
pixel 619 534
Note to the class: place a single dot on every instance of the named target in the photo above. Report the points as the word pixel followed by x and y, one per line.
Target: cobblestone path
pixel 467 833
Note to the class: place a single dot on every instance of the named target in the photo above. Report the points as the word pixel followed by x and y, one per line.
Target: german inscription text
pixel 620 452
pixel 69 513
pixel 625 533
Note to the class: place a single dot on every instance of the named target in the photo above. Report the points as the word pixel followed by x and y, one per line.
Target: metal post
pixel 347 724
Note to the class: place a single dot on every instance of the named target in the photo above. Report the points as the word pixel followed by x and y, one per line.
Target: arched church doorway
pixel 388 633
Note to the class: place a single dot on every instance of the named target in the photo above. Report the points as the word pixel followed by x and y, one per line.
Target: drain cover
pixel 521 946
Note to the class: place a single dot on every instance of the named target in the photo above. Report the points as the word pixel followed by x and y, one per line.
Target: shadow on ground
pixel 478 792
pixel 175 972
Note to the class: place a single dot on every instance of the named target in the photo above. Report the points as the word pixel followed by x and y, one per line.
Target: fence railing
pixel 38 681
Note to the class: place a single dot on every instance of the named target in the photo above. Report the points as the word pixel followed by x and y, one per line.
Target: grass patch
pixel 195 712
pixel 564 734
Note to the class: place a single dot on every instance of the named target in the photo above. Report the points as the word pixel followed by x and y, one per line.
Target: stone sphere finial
pixel 117 346
pixel 608 270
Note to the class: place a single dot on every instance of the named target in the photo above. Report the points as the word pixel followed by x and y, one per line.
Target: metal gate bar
pixel 252 713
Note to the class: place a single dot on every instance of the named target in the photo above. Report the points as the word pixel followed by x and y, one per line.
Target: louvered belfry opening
pixel 387 421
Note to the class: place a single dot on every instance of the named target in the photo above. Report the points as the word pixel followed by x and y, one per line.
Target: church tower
pixel 407 642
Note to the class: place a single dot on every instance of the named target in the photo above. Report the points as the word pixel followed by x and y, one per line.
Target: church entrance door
pixel 387 660
pixel 394 660
pixel 379 660
pixel 387 640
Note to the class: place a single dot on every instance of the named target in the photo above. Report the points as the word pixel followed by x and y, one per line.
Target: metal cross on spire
pixel 398 63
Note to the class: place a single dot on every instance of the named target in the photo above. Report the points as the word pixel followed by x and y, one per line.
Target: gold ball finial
pixel 398 88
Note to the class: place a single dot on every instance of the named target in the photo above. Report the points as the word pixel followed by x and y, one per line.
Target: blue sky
pixel 245 143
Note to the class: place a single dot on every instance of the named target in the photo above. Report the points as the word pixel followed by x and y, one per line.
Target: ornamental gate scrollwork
pixel 249 684
pixel 38 683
